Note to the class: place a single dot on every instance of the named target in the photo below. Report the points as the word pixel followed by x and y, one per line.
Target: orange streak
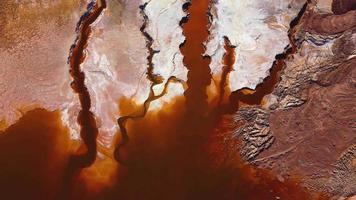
pixel 229 60
pixel 199 74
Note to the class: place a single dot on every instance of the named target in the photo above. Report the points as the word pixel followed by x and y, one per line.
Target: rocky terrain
pixel 306 127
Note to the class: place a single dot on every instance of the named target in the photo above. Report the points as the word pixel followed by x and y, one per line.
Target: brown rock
pixel 313 123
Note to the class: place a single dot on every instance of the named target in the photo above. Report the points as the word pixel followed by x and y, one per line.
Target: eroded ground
pixel 306 126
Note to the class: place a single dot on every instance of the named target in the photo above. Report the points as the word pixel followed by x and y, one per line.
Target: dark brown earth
pixel 311 138
pixel 306 127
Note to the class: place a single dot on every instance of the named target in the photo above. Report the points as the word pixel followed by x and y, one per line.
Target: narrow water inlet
pixel 155 79
pixel 196 33
pixel 86 119
pixel 228 61
pixel 255 97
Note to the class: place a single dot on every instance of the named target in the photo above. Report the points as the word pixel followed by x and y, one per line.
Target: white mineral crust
pixel 34 46
pixel 115 65
pixel 258 29
pixel 116 57
pixel 116 62
pixel 163 26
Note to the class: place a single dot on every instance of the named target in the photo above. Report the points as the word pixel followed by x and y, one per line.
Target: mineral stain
pixel 228 61
pixel 199 74
pixel 165 163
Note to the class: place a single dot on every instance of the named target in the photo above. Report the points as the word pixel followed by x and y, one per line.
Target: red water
pixel 228 61
pixel 33 157
pixel 154 79
pixel 199 75
pixel 85 155
pixel 86 119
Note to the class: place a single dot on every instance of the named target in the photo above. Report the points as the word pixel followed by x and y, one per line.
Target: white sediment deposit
pixel 116 65
pixel 116 60
pixel 35 38
pixel 258 29
pixel 163 26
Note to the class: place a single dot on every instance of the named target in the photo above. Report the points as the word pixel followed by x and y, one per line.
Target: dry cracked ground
pixel 178 99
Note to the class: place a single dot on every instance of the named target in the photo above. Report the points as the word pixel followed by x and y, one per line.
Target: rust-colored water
pixel 86 119
pixel 33 156
pixel 255 97
pixel 153 78
pixel 228 61
pixel 166 159
pixel 199 75
pixel 165 162
pixel 86 153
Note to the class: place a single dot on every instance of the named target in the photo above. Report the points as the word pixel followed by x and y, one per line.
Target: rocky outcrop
pixel 255 131
pixel 311 112
pixel 341 182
